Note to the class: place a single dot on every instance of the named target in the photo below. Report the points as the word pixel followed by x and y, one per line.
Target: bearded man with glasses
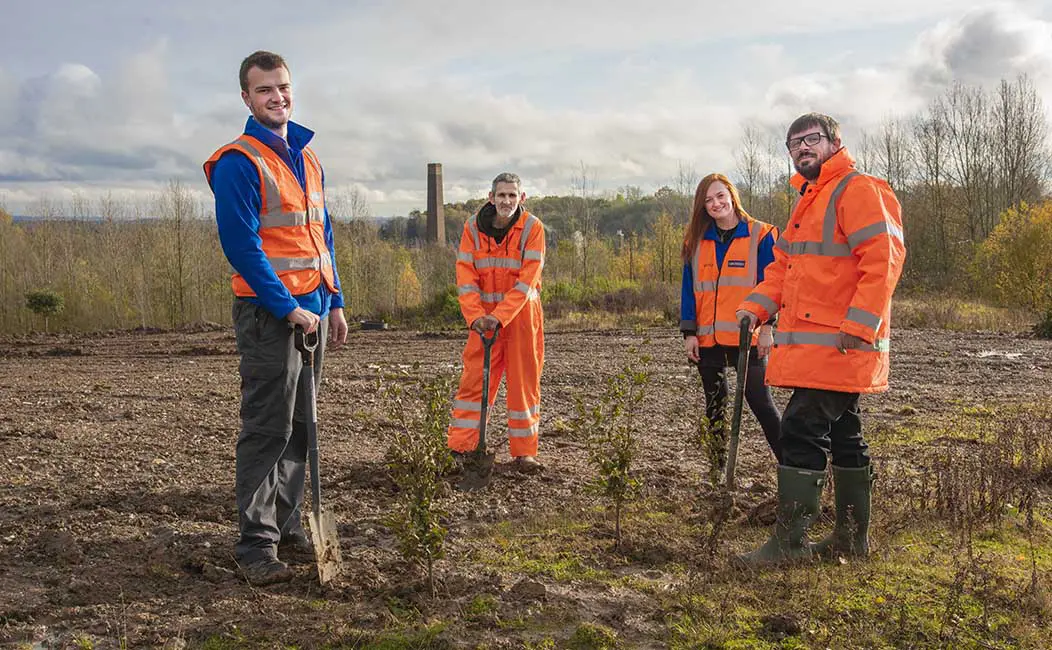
pixel 834 272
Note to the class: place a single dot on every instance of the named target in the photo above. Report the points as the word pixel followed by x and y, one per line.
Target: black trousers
pixel 271 455
pixel 713 368
pixel 817 423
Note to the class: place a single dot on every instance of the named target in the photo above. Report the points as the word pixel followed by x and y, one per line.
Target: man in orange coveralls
pixel 498 283
pixel 835 269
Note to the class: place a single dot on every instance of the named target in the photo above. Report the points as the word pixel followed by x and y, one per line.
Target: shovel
pixel 322 523
pixel 744 341
pixel 478 466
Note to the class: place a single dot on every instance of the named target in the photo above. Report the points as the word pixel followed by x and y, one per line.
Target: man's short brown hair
pixel 810 120
pixel 263 60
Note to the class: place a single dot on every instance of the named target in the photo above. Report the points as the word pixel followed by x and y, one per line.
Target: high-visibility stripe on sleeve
pixel 763 301
pixel 863 317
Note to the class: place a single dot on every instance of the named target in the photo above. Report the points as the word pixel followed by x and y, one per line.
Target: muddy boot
pixel 798 494
pixel 852 487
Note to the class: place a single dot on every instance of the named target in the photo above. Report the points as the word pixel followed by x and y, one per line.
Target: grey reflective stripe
pixel 522 286
pixel 728 281
pixel 526 228
pixel 492 297
pixel 524 415
pixel 465 257
pixel 872 230
pixel 763 301
pixel 529 432
pixel 271 193
pixel 533 255
pixel 314 213
pixel 465 289
pixel 863 317
pixel 467 406
pixel 690 325
pixel 295 263
pixel 829 225
pixel 726 326
pixel 824 249
pixel 497 262
pixel 280 219
pixel 754 251
pixel 782 244
pixel 827 340
pixel 705 330
pixel 703 287
pixel 464 424
pixel 473 228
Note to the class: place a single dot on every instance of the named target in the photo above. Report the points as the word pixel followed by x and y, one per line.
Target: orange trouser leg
pixel 525 360
pixel 463 432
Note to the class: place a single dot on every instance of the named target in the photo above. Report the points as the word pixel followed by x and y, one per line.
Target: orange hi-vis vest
pixel 291 220
pixel 500 279
pixel 718 291
pixel 835 270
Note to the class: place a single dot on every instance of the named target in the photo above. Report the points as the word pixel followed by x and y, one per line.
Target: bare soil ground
pixel 118 521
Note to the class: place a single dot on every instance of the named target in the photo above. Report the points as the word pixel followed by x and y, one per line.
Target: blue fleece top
pixel 764 256
pixel 235 183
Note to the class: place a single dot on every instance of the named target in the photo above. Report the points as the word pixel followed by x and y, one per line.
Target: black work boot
pixel 296 548
pixel 852 487
pixel 798 494
pixel 266 571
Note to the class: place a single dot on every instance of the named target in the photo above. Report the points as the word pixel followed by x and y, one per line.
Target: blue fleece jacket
pixel 235 183
pixel 764 256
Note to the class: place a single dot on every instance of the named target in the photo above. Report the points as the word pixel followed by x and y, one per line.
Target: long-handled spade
pixel 478 466
pixel 322 523
pixel 744 341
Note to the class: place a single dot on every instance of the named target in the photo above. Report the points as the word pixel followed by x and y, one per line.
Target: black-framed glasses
pixel 811 139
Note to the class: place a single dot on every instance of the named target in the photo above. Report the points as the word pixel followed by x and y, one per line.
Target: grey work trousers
pixel 271 457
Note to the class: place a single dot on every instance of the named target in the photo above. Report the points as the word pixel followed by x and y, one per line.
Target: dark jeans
pixel 271 456
pixel 820 422
pixel 713 368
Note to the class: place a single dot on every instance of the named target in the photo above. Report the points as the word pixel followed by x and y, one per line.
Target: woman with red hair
pixel 725 252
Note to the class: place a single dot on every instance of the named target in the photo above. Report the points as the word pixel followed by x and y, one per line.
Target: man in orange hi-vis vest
pixel 498 283
pixel 276 234
pixel 834 272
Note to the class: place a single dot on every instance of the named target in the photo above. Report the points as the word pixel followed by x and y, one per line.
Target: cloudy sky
pixel 122 96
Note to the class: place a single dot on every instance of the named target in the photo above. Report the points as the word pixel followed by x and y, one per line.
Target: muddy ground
pixel 116 482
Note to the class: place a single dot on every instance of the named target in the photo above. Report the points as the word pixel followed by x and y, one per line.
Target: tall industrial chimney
pixel 436 218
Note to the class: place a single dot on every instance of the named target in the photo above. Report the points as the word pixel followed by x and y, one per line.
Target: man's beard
pixel 812 172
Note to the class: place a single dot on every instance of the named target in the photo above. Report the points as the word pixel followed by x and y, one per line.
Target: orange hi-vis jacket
pixel 291 221
pixel 502 279
pixel 835 269
pixel 719 291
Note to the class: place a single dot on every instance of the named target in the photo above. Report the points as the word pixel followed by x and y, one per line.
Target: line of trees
pixel 971 171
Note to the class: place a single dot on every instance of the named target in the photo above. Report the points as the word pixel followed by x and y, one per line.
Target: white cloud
pixel 536 89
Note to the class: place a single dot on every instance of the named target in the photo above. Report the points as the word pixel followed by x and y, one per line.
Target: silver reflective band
pixel 271 195
pixel 819 248
pixel 526 228
pixel 533 255
pixel 465 289
pixel 729 281
pixel 863 317
pixel 827 340
pixel 829 225
pixel 497 262
pixel 524 415
pixel 464 424
pixel 726 326
pixel 704 287
pixel 523 433
pixel 763 301
pixel 705 330
pixel 465 257
pixel 492 297
pixel 467 406
pixel 294 263
pixel 282 219
pixel 474 230
pixel 871 231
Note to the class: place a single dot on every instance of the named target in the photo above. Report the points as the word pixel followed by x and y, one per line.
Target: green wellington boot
pixel 798 494
pixel 852 487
